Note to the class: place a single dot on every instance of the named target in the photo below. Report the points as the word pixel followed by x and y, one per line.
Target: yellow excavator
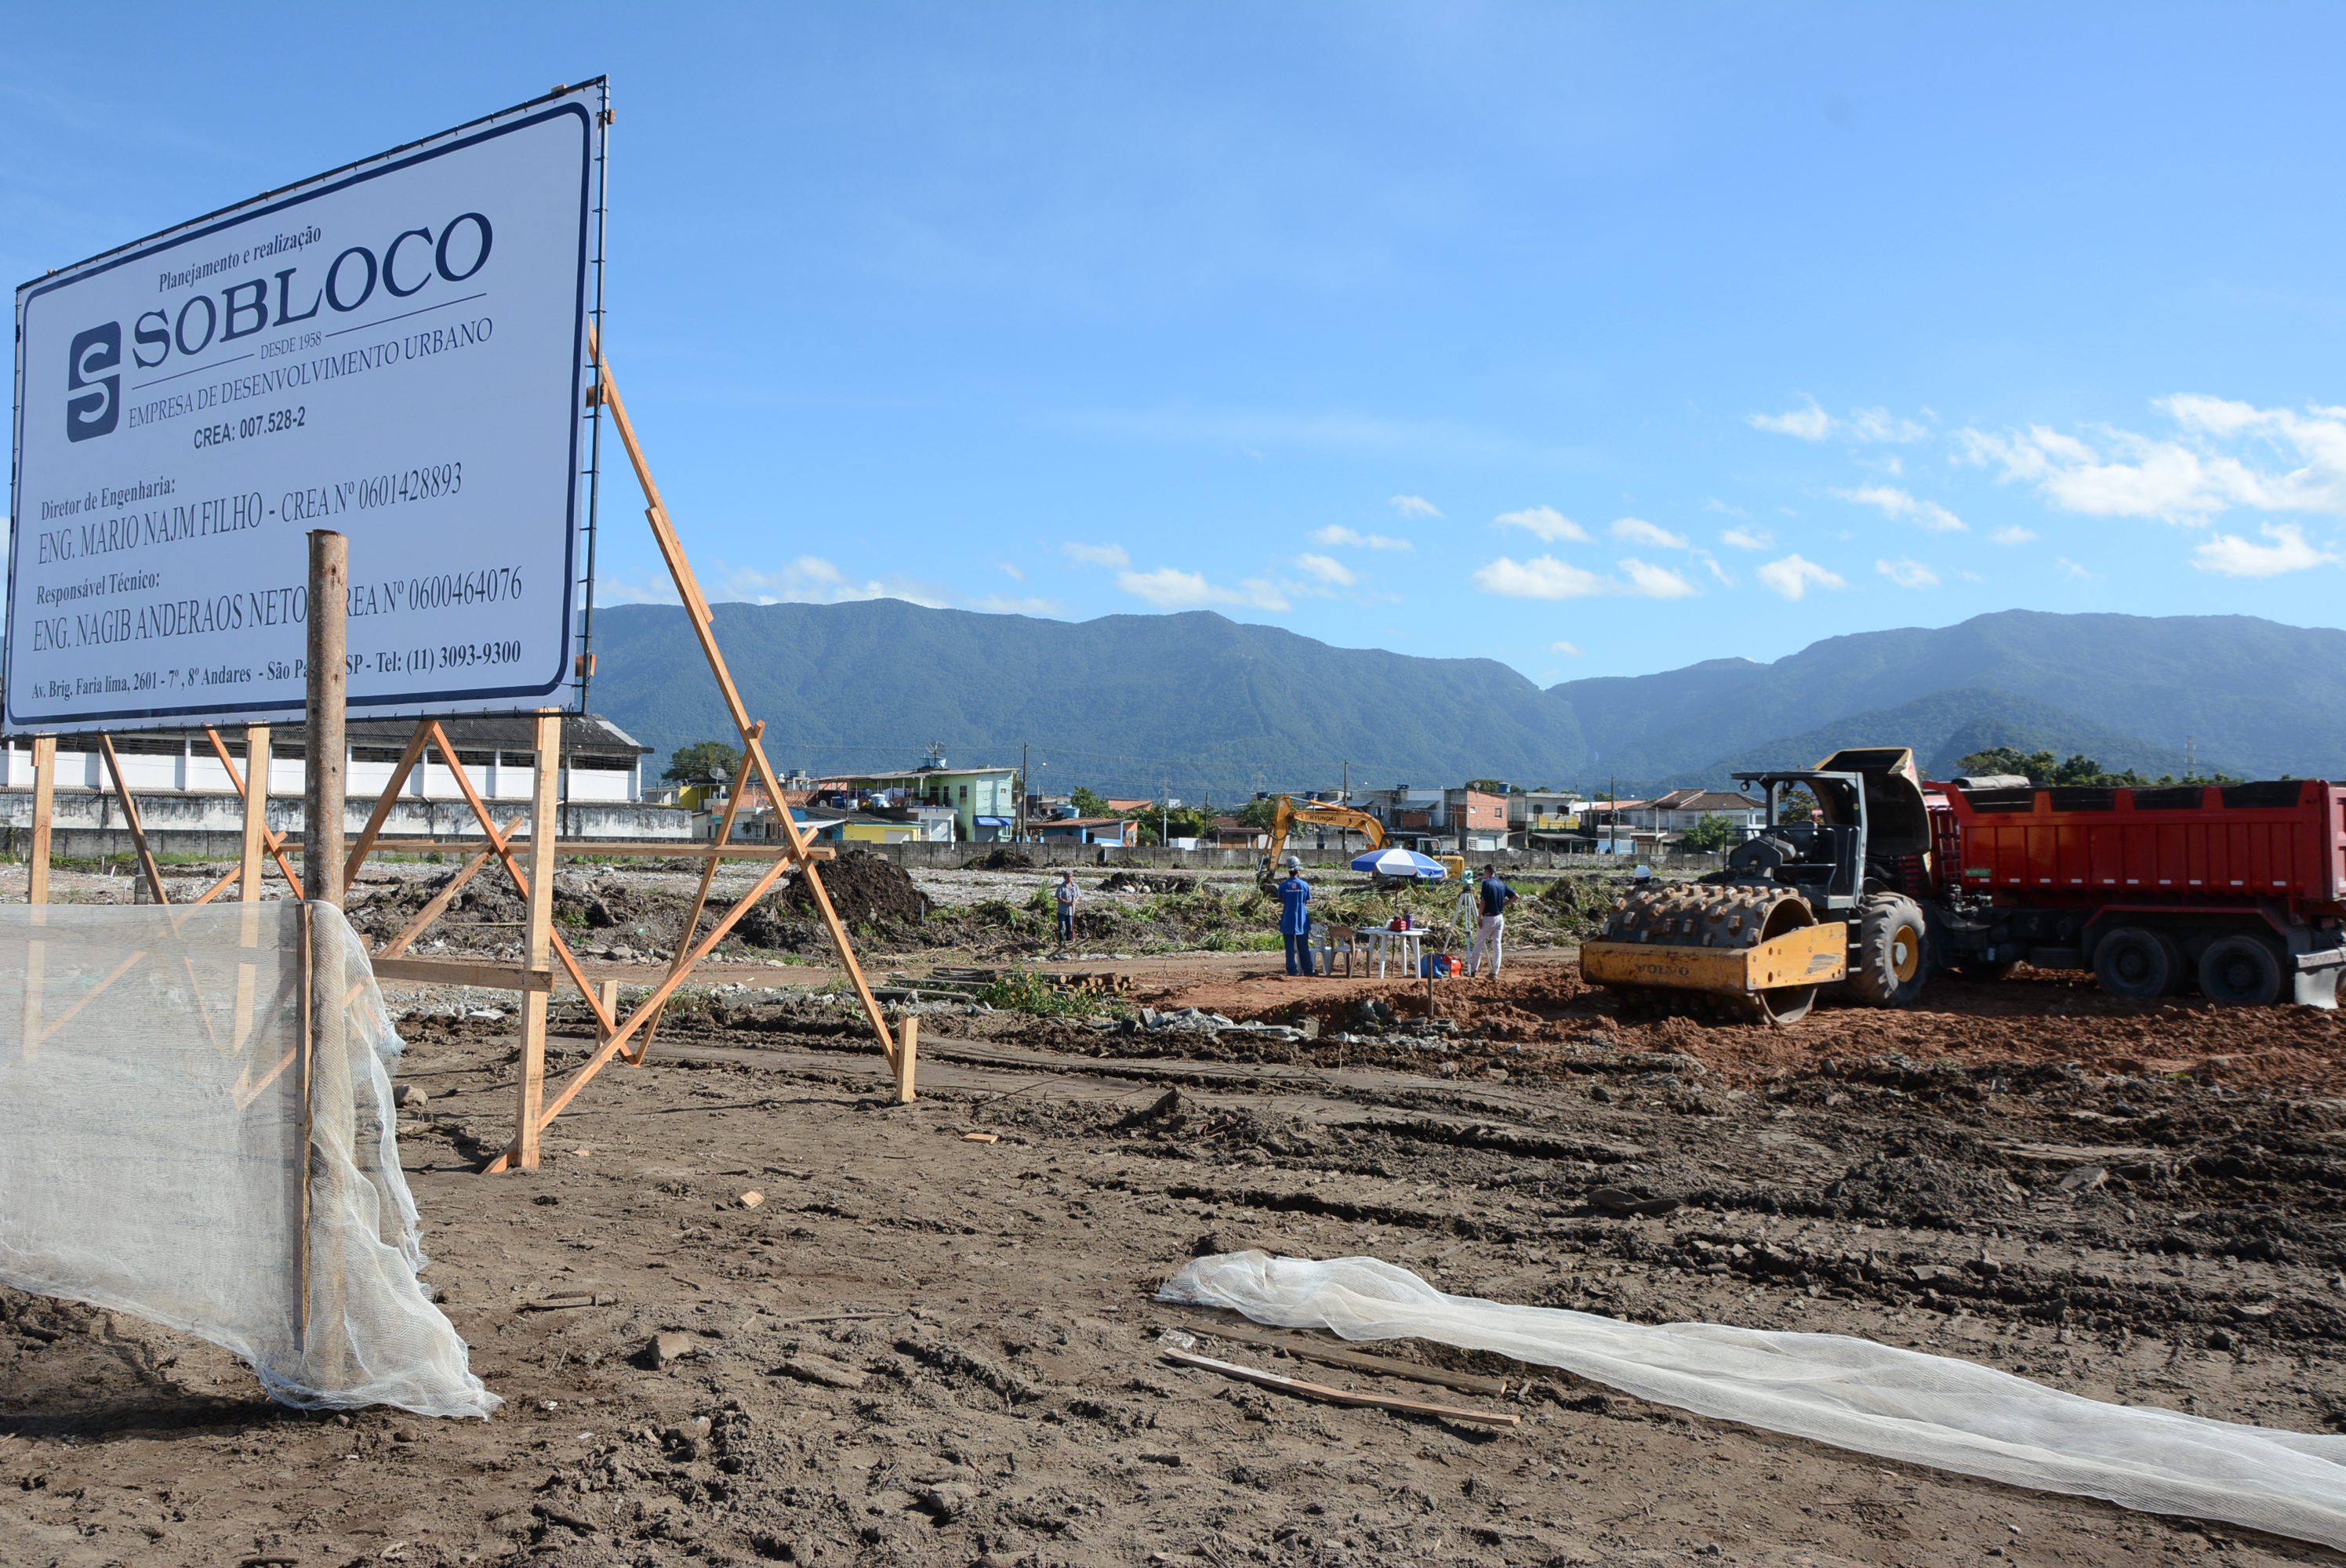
pixel 1288 814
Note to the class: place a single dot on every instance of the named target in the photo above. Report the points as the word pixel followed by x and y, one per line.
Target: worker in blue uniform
pixel 1295 918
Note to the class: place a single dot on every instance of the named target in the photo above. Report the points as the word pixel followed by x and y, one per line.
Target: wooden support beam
pixel 908 1047
pixel 696 605
pixel 386 802
pixel 521 880
pixel 279 850
pixel 579 1078
pixel 592 848
pixel 699 900
pixel 544 803
pixel 456 971
pixel 44 813
pixel 441 899
pixel 254 788
pixel 130 816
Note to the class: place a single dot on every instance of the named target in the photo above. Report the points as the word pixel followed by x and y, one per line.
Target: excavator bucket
pixel 1757 950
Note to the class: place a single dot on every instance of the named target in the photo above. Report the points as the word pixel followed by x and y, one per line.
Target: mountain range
pixel 1201 705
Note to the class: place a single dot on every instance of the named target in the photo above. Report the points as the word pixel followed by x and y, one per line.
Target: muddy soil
pixel 919 1348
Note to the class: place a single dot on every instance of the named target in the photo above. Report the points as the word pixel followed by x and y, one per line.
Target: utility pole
pixel 2190 759
pixel 1021 834
pixel 1163 813
pixel 1344 795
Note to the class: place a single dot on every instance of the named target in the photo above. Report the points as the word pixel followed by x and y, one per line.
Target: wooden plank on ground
pixel 1327 1394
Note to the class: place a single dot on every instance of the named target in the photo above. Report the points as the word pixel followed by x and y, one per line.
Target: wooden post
pixel 908 1045
pixel 44 807
pixel 256 811
pixel 609 993
pixel 326 1069
pixel 329 690
pixel 544 805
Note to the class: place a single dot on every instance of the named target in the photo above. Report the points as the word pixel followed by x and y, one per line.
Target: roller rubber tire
pixel 2241 971
pixel 1890 952
pixel 2137 963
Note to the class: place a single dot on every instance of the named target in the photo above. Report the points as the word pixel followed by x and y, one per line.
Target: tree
pixel 1488 786
pixel 1087 804
pixel 1796 806
pixel 1711 835
pixel 1260 812
pixel 703 762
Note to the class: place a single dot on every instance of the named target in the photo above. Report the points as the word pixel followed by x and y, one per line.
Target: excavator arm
pixel 1288 814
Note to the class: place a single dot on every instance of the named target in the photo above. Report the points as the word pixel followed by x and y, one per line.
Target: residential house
pixel 1119 830
pixel 1438 820
pixel 1542 819
pixel 984 800
pixel 1680 809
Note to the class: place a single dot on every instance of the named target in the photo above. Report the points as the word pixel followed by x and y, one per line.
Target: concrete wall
pixel 89 824
pixel 954 857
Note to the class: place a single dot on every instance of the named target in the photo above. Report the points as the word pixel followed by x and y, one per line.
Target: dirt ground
pixel 923 1349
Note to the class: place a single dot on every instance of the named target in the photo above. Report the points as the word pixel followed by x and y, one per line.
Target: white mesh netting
pixel 161 1155
pixel 1855 1394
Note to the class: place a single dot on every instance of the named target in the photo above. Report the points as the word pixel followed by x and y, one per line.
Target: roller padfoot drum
pixel 1754 951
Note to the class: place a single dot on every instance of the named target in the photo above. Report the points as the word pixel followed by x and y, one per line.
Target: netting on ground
pixel 167 1148
pixel 1853 1394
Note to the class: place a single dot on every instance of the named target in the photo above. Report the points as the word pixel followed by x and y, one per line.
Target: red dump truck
pixel 1881 880
pixel 2237 890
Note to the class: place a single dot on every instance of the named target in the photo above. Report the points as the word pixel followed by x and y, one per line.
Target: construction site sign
pixel 396 351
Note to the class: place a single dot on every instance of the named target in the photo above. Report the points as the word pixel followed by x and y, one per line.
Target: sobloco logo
pixel 95 402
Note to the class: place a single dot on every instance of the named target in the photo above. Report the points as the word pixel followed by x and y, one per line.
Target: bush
pixel 1027 991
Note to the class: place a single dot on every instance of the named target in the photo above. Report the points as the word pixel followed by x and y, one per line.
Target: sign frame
pixel 541 688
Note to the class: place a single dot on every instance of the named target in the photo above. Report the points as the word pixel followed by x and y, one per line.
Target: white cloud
pixel 1541 577
pixel 1564 649
pixel 2224 453
pixel 1545 577
pixel 1908 574
pixel 1336 534
pixel 1098 555
pixel 1809 424
pixel 1792 577
pixel 2069 568
pixel 1329 570
pixel 812 580
pixel 1637 530
pixel 1893 501
pixel 1009 605
pixel 1170 588
pixel 1748 538
pixel 1415 507
pixel 1545 523
pixel 1651 582
pixel 1710 563
pixel 1009 570
pixel 2289 551
pixel 1713 504
pixel 1881 425
pixel 2016 534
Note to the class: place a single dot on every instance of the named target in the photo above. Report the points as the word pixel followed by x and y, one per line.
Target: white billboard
pixel 396 351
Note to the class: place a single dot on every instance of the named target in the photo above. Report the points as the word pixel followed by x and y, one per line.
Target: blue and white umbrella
pixel 1400 866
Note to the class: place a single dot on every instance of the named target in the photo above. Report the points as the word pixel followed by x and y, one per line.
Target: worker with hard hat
pixel 1295 918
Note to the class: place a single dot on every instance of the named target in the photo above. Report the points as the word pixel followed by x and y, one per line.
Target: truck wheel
pixel 2240 972
pixel 1889 958
pixel 2136 964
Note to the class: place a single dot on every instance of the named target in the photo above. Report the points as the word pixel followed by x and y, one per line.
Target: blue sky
pixel 1594 339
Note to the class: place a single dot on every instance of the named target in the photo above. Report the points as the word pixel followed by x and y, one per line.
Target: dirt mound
pixel 1147 882
pixel 866 889
pixel 1002 860
pixel 1909 1188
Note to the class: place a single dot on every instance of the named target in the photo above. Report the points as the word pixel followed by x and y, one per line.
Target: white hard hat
pixel 1294 863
